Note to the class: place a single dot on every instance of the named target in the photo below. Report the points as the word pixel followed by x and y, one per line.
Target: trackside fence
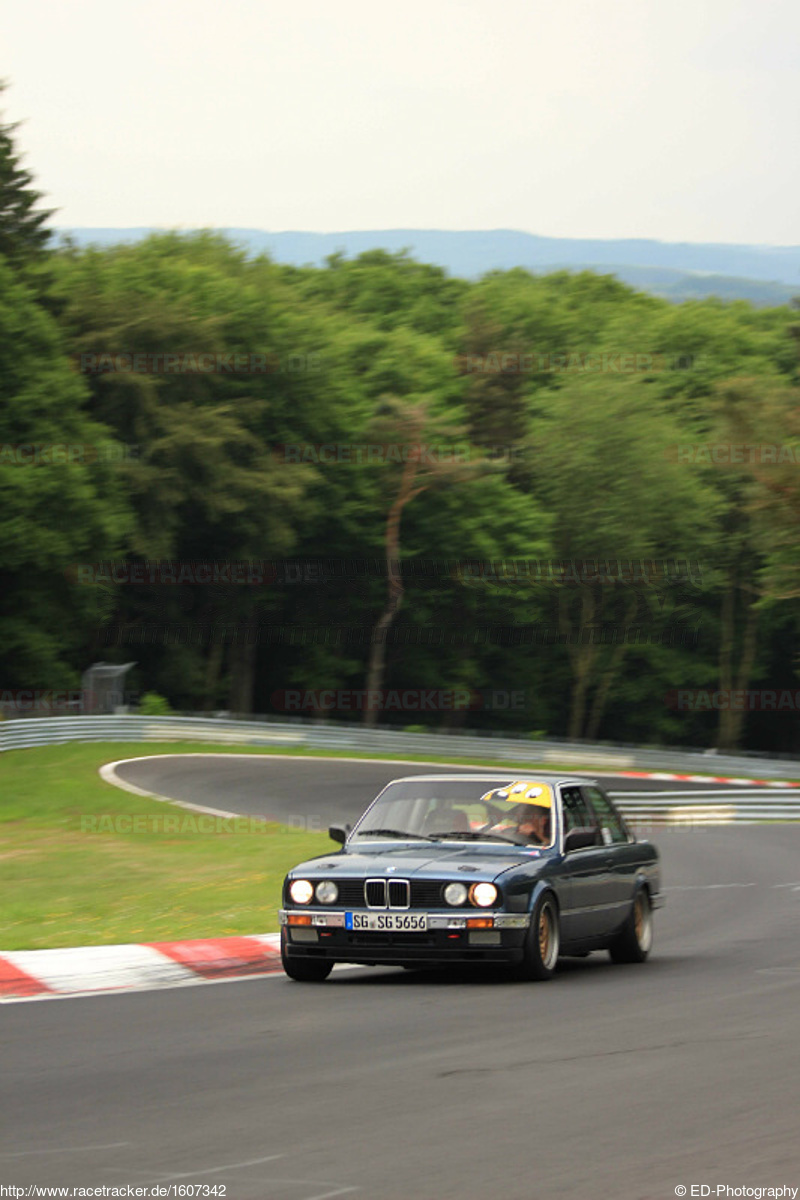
pixel 774 800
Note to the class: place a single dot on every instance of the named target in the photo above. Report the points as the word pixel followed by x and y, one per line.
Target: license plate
pixel 389 922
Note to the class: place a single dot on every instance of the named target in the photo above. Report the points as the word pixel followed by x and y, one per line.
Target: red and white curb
pixel 45 974
pixel 738 782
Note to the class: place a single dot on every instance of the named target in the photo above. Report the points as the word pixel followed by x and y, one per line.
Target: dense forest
pixel 575 504
pixel 765 275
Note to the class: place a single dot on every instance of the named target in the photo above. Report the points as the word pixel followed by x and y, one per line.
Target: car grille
pixel 375 893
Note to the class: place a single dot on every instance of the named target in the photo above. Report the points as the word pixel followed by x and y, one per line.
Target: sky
pixel 671 119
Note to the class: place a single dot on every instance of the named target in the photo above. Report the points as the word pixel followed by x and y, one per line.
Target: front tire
pixel 542 942
pixel 305 970
pixel 634 942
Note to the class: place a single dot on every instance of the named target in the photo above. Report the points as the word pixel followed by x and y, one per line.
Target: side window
pixel 611 822
pixel 576 812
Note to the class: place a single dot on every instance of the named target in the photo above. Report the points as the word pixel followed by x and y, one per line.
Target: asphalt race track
pixel 305 791
pixel 609 1081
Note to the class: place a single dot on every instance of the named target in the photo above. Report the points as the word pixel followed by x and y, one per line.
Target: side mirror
pixel 579 839
pixel 338 833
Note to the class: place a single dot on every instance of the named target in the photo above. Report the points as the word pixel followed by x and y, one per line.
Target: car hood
pixel 421 862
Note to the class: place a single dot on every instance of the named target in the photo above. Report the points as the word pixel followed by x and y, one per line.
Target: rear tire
pixel 542 942
pixel 305 970
pixel 634 942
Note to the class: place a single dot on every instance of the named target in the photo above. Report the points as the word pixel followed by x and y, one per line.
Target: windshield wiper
pixel 473 835
pixel 396 833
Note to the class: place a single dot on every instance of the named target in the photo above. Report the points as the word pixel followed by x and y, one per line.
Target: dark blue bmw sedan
pixel 471 869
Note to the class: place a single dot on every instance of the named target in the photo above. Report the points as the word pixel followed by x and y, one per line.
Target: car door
pixel 620 852
pixel 586 874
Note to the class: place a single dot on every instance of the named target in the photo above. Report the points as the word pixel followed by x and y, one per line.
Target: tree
pixel 759 432
pixel 615 495
pixel 772 427
pixel 61 502
pixel 597 477
pixel 23 236
pixel 411 427
pixel 204 482
pixel 386 290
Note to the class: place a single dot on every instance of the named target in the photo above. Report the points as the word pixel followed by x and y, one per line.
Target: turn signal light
pixel 480 922
pixel 299 918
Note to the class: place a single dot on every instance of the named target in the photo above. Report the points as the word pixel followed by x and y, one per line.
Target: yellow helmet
pixel 523 791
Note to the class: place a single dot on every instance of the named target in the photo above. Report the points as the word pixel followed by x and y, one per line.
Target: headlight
pixel 455 893
pixel 483 894
pixel 327 892
pixel 301 891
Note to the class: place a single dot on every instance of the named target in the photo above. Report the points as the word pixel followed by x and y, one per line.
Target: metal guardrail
pixel 666 808
pixel 720 807
pixel 23 733
pixel 43 731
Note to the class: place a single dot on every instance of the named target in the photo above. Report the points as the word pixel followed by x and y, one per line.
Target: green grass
pixel 67 885
pixel 72 878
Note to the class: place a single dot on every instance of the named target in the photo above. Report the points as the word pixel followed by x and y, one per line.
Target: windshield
pixel 517 811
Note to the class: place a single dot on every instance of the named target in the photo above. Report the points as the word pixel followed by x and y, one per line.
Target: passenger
pixel 446 818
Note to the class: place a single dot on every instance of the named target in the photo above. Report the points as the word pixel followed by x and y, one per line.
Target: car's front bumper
pixel 447 939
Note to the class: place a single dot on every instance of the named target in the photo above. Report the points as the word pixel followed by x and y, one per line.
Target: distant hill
pixel 765 275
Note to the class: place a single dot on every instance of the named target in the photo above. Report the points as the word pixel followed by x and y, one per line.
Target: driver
pixel 533 822
pixel 530 821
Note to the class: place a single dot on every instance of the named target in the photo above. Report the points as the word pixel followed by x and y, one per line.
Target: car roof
pixel 551 777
